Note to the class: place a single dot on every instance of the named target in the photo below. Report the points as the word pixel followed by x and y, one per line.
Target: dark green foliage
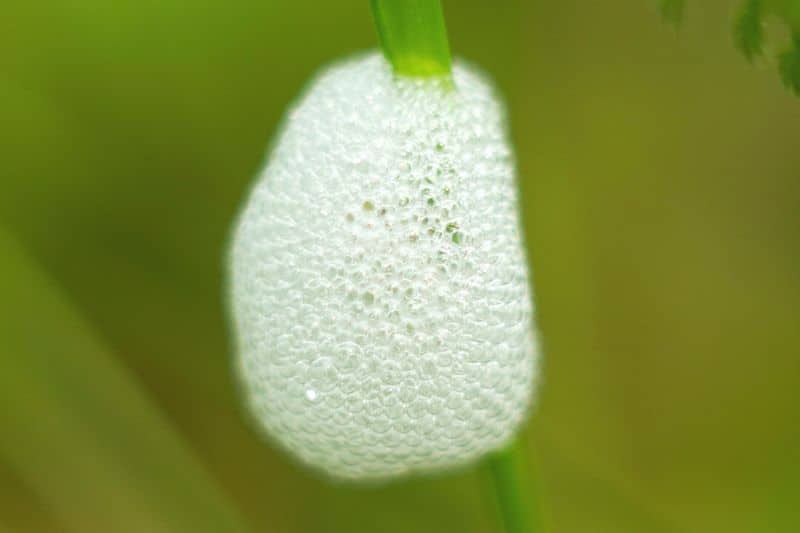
pixel 748 30
pixel 672 11
pixel 789 66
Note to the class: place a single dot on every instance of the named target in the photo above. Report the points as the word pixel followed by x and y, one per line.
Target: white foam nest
pixel 380 291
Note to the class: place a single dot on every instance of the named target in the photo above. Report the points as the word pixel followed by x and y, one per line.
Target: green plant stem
pixel 413 36
pixel 515 500
pixel 414 40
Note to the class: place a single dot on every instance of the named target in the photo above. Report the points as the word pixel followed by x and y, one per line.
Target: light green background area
pixel 660 179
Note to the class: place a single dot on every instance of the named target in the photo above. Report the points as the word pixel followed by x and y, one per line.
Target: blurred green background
pixel 661 197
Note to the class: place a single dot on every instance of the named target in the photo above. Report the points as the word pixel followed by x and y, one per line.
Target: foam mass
pixel 379 286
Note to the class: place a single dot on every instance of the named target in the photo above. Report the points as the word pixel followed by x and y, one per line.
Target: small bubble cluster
pixel 380 291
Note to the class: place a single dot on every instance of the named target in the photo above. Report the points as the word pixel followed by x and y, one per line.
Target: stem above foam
pixel 413 36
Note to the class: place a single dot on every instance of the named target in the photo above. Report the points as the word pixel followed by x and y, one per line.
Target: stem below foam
pixel 515 500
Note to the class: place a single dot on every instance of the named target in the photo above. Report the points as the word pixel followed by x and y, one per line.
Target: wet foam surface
pixel 379 285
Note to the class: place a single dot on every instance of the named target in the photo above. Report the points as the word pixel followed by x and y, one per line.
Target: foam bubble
pixel 379 286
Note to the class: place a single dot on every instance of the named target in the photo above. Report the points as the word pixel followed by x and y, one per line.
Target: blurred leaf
pixel 748 30
pixel 608 501
pixel 79 431
pixel 672 11
pixel 21 508
pixel 789 66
